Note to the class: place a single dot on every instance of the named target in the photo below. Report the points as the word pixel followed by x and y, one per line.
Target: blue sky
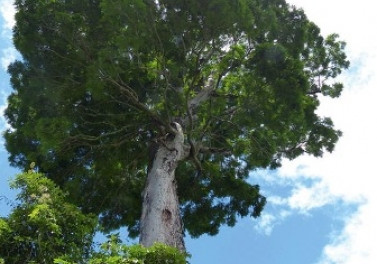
pixel 320 211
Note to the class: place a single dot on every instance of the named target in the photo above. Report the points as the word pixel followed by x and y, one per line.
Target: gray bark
pixel 160 220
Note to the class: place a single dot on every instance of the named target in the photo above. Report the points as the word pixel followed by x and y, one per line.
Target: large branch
pixel 203 95
pixel 134 101
pixel 198 99
pixel 208 91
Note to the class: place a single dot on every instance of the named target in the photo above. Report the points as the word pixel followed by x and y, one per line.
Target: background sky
pixel 319 211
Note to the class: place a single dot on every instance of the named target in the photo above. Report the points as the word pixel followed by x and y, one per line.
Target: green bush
pixel 113 252
pixel 44 226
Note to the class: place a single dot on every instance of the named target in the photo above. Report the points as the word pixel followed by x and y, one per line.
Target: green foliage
pixel 114 252
pixel 44 225
pixel 101 80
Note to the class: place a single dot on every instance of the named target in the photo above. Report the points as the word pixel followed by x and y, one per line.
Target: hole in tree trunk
pixel 166 215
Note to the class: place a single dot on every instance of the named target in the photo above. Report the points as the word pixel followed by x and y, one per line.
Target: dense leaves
pixel 44 226
pixel 101 81
pixel 113 252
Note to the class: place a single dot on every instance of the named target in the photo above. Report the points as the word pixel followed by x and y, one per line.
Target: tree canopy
pixel 100 83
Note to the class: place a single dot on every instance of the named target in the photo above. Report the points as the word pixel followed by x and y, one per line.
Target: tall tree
pixel 153 112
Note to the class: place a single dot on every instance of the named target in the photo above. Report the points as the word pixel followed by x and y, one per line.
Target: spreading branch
pixel 134 101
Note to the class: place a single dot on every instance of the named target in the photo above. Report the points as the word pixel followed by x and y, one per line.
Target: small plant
pixel 113 252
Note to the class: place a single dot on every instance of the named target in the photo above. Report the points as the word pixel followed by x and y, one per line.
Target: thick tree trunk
pixel 160 219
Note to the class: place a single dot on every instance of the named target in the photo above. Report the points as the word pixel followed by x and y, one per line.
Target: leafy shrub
pixel 44 226
pixel 113 252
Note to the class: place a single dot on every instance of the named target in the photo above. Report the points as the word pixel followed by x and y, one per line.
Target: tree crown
pixel 101 82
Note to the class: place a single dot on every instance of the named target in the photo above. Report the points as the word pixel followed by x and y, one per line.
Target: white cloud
pixel 354 21
pixel 7 11
pixel 347 173
pixel 267 222
pixel 8 55
pixel 305 198
pixel 344 176
pixel 357 242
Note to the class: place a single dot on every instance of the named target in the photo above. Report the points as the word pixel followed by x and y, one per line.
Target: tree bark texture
pixel 160 219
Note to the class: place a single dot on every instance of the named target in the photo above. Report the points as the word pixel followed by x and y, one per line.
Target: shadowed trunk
pixel 160 219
